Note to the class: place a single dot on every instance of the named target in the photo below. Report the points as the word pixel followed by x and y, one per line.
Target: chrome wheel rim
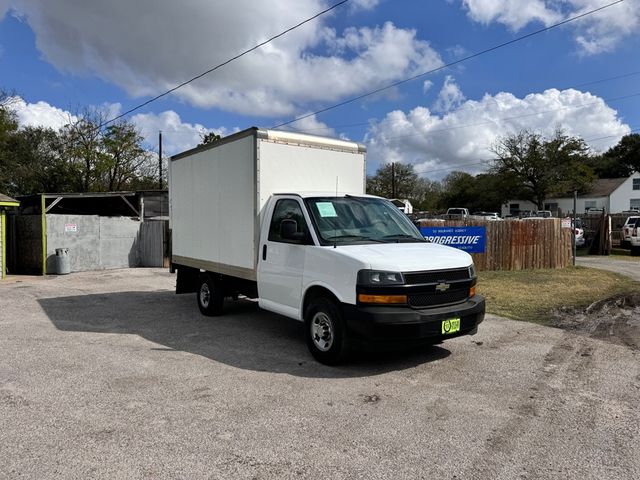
pixel 322 331
pixel 205 295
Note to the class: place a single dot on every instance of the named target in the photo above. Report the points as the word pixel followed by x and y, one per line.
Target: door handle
pixel 264 252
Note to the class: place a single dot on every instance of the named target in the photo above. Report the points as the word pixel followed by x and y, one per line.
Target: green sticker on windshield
pixel 326 209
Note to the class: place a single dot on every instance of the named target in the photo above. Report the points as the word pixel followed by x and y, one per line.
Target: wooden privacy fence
pixel 518 244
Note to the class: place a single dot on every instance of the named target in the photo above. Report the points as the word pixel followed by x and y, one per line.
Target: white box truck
pixel 283 217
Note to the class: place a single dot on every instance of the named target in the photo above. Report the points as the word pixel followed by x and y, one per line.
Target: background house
pixel 615 195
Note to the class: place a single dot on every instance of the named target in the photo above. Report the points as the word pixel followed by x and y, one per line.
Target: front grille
pixel 423 300
pixel 416 278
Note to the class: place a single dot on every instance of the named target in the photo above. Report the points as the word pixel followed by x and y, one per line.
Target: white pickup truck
pixel 632 228
pixel 283 217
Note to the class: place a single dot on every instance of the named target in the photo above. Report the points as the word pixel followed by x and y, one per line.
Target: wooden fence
pixel 518 244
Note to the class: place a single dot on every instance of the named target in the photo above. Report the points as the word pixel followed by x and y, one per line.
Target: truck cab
pixel 356 270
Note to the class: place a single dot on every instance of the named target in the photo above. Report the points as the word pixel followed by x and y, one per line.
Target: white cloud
pixel 40 114
pixel 426 86
pixel 597 33
pixel 461 139
pixel 450 96
pixel 513 13
pixel 313 126
pixel 364 4
pixel 177 135
pixel 147 46
pixel 603 31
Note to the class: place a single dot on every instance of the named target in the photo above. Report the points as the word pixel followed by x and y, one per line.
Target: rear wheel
pixel 325 331
pixel 210 296
pixel 635 251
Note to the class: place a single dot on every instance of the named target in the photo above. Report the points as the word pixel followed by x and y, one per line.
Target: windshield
pixel 360 220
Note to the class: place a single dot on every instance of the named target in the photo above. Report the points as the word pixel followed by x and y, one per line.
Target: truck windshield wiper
pixel 402 236
pixel 355 237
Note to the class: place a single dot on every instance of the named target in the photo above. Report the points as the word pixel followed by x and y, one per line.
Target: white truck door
pixel 283 244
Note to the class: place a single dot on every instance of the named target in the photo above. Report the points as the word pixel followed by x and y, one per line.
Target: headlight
pixel 472 271
pixel 375 277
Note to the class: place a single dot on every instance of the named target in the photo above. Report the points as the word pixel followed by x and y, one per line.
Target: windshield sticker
pixel 326 209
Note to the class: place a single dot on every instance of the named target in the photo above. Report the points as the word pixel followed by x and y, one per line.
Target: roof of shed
pixel 5 199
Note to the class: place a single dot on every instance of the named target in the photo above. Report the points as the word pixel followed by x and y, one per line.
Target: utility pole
pixel 160 158
pixel 393 179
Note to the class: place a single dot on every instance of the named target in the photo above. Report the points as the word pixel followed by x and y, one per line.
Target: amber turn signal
pixel 384 299
pixel 472 292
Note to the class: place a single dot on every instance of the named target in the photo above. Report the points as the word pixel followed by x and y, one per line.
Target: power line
pixel 465 106
pixel 447 65
pixel 236 57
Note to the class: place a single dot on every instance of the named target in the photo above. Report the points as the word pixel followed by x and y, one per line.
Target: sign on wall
pixel 469 239
pixel 70 227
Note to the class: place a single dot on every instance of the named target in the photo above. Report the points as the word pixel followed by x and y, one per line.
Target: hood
pixel 407 257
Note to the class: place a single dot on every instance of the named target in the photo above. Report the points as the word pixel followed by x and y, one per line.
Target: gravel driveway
pixel 111 375
pixel 629 268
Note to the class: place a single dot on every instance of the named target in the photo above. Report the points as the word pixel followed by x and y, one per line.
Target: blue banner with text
pixel 469 239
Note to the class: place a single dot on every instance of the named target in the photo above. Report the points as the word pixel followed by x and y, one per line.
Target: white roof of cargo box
pixel 326 194
pixel 281 136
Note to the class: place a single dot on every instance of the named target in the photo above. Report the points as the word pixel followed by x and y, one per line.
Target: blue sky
pixel 114 55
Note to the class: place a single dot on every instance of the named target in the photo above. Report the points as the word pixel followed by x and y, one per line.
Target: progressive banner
pixel 469 239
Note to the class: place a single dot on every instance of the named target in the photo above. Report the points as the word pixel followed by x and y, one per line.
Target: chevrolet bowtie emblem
pixel 442 287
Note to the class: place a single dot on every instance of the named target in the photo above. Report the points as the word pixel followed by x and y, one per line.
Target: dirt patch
pixel 615 319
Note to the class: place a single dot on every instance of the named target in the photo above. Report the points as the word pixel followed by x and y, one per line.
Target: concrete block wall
pixel 94 242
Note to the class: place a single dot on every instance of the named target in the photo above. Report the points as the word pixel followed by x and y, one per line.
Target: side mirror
pixel 289 230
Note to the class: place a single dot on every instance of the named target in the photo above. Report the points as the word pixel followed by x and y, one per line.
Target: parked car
pixel 454 213
pixel 627 229
pixel 580 240
pixel 634 239
pixel 544 214
pixel 526 214
pixel 593 211
pixel 487 215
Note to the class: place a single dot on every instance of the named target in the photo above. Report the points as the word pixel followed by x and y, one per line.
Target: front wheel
pixel 210 296
pixel 325 331
pixel 635 251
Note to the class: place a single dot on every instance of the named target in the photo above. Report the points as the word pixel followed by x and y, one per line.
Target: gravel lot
pixel 111 375
pixel 629 268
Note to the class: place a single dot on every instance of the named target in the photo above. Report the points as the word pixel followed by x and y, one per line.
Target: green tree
pixel 426 195
pixel 544 167
pixel 398 175
pixel 109 158
pixel 8 128
pixel 37 163
pixel 620 160
pixel 208 137
pixel 81 139
pixel 123 159
pixel 458 190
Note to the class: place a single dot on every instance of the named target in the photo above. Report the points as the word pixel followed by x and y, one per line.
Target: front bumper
pixel 403 324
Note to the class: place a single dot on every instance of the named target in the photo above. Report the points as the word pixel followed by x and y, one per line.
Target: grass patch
pixel 532 295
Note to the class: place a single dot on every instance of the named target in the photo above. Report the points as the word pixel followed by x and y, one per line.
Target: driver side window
pixel 288 209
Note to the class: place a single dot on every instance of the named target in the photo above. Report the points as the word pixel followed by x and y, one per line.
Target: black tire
pixel 635 251
pixel 210 296
pixel 325 331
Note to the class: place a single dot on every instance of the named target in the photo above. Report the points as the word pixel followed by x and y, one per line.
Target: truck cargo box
pixel 217 191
